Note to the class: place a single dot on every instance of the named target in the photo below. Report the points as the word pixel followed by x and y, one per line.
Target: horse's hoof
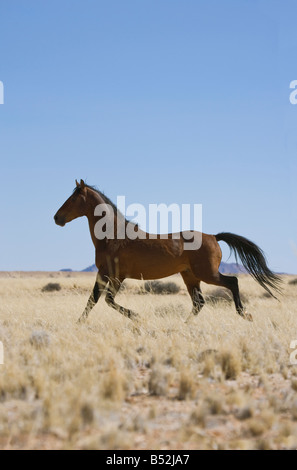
pixel 81 320
pixel 247 316
pixel 136 330
pixel 133 316
pixel 190 318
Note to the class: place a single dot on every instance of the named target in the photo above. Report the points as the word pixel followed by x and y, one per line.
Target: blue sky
pixel 163 101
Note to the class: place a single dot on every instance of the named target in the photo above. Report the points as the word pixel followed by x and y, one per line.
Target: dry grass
pixel 216 382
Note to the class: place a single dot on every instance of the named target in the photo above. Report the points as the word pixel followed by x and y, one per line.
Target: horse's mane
pixel 106 199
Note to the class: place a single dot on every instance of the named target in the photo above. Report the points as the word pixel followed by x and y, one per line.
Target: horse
pixel 153 256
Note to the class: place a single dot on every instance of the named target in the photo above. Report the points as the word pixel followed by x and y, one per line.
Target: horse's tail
pixel 253 259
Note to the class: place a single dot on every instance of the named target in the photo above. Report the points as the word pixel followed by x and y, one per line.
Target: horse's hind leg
pixel 231 283
pixel 113 287
pixel 98 288
pixel 193 286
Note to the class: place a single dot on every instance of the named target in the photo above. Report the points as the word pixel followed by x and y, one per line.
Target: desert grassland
pixel 216 382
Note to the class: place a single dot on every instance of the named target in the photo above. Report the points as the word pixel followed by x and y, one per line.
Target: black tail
pixel 253 259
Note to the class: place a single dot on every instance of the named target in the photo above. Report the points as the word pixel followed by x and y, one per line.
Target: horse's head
pixel 74 207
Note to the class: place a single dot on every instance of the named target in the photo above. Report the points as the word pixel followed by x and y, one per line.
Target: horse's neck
pixel 94 199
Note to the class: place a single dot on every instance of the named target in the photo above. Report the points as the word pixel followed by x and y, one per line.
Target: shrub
pixel 223 295
pixel 158 287
pixel 51 286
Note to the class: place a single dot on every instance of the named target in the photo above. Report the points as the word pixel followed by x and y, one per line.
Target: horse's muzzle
pixel 59 220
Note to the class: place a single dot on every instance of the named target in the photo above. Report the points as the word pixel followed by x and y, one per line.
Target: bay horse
pixel 154 258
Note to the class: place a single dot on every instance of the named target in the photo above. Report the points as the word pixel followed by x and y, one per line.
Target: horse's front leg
pixel 98 288
pixel 113 288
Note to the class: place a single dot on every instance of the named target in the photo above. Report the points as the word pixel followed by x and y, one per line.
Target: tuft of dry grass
pixel 115 385
pixel 261 423
pixel 158 383
pixel 39 339
pixel 186 387
pixel 294 384
pixel 230 363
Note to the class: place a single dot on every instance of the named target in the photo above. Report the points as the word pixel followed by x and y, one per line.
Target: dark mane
pixel 106 199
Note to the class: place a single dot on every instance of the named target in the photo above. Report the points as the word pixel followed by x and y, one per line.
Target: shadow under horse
pixel 148 256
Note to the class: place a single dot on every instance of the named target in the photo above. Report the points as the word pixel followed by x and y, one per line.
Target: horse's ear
pixel 82 184
pixel 77 183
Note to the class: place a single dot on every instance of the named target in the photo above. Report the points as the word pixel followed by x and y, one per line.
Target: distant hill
pixel 232 268
pixel 90 269
pixel 225 268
